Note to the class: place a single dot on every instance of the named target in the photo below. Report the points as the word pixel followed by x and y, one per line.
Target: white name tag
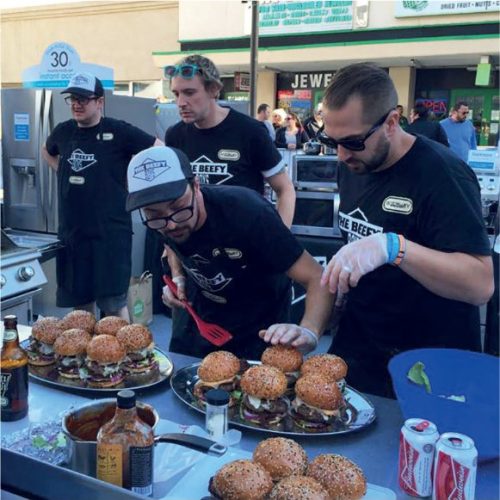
pixel 74 179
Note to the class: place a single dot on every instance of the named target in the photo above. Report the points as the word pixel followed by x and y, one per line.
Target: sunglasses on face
pixel 351 144
pixel 187 71
pixel 82 101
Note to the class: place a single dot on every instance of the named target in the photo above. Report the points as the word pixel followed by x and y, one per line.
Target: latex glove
pixel 353 261
pixel 289 334
pixel 169 299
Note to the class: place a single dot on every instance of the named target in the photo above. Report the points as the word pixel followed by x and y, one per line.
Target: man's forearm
pixel 318 308
pixel 286 205
pixel 456 276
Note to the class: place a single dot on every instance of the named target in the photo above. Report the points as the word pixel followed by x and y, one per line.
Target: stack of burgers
pixel 310 391
pixel 100 352
pixel 280 470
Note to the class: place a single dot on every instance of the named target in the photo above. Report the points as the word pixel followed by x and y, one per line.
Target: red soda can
pixel 416 456
pixel 455 468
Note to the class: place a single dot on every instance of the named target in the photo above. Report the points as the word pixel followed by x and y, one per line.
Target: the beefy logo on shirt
pixel 356 225
pixel 80 161
pixel 149 169
pixel 232 253
pixel 210 172
pixel 398 205
pixel 228 154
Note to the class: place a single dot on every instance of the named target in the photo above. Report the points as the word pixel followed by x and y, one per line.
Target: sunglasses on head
pixel 351 144
pixel 187 71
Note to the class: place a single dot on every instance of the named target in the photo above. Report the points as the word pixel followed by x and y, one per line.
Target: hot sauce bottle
pixel 125 448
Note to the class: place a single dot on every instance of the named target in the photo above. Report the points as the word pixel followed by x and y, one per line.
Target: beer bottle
pixel 13 373
pixel 125 448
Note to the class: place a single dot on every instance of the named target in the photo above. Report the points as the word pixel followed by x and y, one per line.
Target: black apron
pixel 94 226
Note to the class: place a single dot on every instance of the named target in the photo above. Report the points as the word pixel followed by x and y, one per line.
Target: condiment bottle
pixel 216 413
pixel 13 373
pixel 125 448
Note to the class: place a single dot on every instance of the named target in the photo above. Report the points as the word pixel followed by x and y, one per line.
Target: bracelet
pixel 402 250
pixel 178 280
pixel 311 334
pixel 393 247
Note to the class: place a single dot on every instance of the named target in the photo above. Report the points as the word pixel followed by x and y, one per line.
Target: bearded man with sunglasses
pixel 90 154
pixel 416 264
pixel 236 250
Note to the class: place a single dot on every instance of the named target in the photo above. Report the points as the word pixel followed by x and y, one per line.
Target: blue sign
pixel 21 127
pixel 59 63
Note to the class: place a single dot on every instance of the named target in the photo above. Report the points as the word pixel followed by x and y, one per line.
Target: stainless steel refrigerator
pixel 30 186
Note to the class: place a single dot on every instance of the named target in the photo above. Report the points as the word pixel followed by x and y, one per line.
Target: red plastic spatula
pixel 215 334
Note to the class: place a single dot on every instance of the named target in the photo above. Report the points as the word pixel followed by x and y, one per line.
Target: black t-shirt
pixel 238 260
pixel 238 151
pixel 92 175
pixel 433 199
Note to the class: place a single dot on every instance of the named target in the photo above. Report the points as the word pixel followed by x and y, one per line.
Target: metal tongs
pixel 215 334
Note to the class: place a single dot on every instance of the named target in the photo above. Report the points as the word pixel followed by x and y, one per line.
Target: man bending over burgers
pixel 236 249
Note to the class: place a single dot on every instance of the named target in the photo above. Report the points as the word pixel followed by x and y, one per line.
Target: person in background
pixel 263 115
pixel 292 135
pixel 278 118
pixel 314 123
pixel 460 131
pixel 90 154
pixel 239 254
pixel 403 121
pixel 417 260
pixel 422 125
pixel 225 147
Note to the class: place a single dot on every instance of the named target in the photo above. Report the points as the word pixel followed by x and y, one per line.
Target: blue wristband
pixel 392 247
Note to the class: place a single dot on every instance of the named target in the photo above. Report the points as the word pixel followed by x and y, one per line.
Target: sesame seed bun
pixel 330 366
pixel 285 358
pixel 263 382
pixel 317 391
pixel 105 349
pixel 134 337
pixel 299 488
pixel 342 478
pixel 109 325
pixel 218 365
pixel 79 319
pixel 72 342
pixel 281 457
pixel 47 329
pixel 242 480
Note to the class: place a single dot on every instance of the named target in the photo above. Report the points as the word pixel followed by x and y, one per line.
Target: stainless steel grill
pixel 21 278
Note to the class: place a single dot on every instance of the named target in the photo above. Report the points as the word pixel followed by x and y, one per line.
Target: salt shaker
pixel 216 413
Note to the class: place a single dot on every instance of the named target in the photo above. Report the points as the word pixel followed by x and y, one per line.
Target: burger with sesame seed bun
pixel 103 363
pixel 285 358
pixel 330 366
pixel 299 488
pixel 138 343
pixel 263 400
pixel 109 325
pixel 340 477
pixel 281 457
pixel 241 480
pixel 217 370
pixel 70 348
pixel 79 319
pixel 44 333
pixel 318 403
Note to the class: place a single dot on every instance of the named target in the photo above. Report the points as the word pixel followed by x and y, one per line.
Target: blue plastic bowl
pixel 453 372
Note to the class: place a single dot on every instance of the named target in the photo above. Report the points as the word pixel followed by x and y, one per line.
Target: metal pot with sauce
pixel 82 424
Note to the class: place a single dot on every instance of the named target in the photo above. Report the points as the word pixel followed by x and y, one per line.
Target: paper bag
pixel 140 299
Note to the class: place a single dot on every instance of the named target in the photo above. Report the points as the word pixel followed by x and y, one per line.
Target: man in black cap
pixel 237 251
pixel 90 154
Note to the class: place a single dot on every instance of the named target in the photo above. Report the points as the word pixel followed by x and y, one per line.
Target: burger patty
pixel 96 369
pixel 64 362
pixel 140 356
pixel 273 406
pixel 37 348
pixel 311 414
